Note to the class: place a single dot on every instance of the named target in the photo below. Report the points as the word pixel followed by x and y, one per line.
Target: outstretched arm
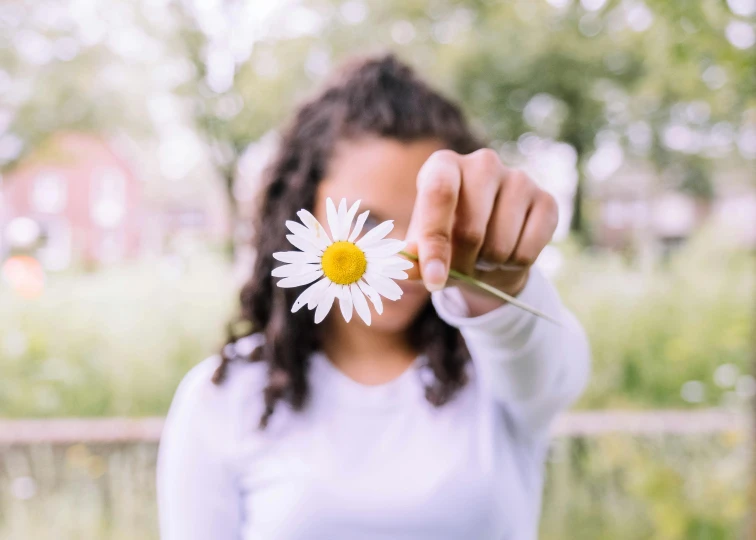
pixel 531 366
pixel 475 215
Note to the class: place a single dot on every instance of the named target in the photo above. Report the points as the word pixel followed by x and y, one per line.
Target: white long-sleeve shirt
pixel 378 462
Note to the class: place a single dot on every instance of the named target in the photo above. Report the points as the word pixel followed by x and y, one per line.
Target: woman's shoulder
pixel 212 422
pixel 240 390
pixel 239 374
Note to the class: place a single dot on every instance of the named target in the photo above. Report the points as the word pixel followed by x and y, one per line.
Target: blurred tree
pixel 245 77
pixel 663 78
pixel 53 78
pixel 667 82
pixel 68 66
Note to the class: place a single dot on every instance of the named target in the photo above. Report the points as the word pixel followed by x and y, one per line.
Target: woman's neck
pixel 365 354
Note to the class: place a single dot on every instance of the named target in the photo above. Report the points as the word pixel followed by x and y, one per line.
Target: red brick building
pixel 84 197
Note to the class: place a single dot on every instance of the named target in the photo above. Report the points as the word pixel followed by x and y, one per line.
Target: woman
pixel 431 423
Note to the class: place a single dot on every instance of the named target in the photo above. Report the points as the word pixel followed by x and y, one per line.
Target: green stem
pixel 491 290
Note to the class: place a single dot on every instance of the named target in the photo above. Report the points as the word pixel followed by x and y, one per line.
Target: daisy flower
pixel 340 265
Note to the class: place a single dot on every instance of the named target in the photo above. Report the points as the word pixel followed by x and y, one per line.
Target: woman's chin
pixel 398 315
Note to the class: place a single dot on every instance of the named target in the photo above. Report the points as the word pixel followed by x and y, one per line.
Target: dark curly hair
pixel 378 96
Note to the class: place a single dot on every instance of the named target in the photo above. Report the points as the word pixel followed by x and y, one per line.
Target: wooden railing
pixel 584 423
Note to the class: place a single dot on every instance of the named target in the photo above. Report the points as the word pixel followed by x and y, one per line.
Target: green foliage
pixel 87 89
pixel 111 343
pixel 650 332
pixel 622 488
pixel 604 71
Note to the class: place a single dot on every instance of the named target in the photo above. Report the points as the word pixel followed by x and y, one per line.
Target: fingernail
pixel 434 275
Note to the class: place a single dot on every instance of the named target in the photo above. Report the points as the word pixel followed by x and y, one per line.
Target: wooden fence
pixel 586 423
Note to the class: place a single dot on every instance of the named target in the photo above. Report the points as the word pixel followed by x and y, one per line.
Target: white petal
pixel 392 273
pixel 318 241
pixel 296 281
pixel 310 221
pixel 385 248
pixel 308 293
pixel 373 295
pixel 346 223
pixel 289 270
pixel 376 233
pixel 399 263
pixel 297 228
pixel 358 226
pixel 313 224
pixel 360 304
pixel 345 302
pixel 333 219
pixel 317 293
pixel 324 306
pixel 384 286
pixel 296 257
pixel 342 216
pixel 303 244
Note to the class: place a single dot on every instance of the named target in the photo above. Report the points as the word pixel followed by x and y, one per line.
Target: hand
pixel 477 216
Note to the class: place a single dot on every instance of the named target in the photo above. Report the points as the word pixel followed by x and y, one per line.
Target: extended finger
pixel 438 185
pixel 482 175
pixel 507 219
pixel 538 230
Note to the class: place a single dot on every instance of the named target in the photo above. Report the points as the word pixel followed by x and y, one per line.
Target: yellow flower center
pixel 343 263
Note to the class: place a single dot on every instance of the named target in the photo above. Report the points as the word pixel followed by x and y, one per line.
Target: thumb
pixel 414 272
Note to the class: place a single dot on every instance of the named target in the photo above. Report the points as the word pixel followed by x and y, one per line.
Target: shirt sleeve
pixel 530 365
pixel 198 497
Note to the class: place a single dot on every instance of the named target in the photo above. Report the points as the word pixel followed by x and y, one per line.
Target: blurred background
pixel 133 134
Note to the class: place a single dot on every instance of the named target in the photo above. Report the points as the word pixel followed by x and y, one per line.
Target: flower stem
pixel 491 290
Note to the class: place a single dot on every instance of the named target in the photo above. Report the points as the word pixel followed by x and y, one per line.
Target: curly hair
pixel 378 96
